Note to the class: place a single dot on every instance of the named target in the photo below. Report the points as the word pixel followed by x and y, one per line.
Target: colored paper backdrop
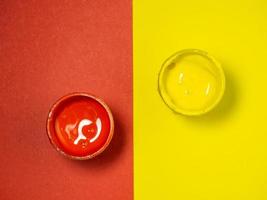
pixel 222 155
pixel 48 49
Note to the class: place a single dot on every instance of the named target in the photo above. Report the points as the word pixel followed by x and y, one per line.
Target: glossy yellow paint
pixel 191 82
pixel 220 155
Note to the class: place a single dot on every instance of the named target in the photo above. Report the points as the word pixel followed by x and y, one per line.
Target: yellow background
pixel 218 156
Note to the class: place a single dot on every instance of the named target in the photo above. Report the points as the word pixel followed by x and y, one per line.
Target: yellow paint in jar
pixel 191 82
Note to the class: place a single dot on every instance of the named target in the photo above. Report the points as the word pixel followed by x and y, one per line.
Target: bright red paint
pixel 80 125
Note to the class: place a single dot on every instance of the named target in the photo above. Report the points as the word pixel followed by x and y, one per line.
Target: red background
pixel 48 49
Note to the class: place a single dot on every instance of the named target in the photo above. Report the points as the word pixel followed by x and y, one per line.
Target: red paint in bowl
pixel 80 126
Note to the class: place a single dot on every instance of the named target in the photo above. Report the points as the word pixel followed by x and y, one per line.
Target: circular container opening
pixel 191 82
pixel 80 126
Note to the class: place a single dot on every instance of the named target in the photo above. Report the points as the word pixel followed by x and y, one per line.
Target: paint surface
pixel 190 83
pixel 82 126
